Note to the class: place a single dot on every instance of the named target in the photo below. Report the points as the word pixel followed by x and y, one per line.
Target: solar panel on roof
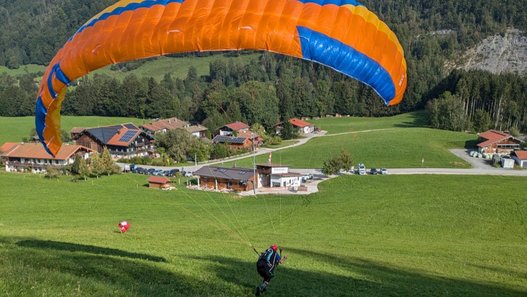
pixel 128 136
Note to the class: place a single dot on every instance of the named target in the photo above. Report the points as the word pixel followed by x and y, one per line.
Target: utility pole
pixel 255 182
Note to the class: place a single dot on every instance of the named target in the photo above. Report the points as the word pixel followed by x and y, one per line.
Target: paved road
pixel 479 166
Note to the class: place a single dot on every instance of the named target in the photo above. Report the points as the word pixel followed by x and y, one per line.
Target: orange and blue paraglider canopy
pixel 341 34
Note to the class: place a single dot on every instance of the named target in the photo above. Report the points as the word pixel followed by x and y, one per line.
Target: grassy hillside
pixel 373 236
pixel 386 147
pixel 14 129
pixel 350 124
pixel 157 68
pixel 400 141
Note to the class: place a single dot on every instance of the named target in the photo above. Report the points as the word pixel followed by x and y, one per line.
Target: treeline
pixel 478 101
pixel 265 91
pixel 273 89
pixel 17 95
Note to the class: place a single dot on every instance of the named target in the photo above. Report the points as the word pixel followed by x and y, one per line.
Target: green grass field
pixel 15 129
pixel 391 148
pixel 360 236
pixel 350 124
pixel 26 69
pixel 157 68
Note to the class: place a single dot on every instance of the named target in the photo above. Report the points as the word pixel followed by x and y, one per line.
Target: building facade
pixel 497 142
pixel 278 176
pixel 123 141
pixel 32 157
pixel 219 178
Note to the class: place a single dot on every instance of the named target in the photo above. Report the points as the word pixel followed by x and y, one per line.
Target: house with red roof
pixel 233 129
pixel 123 141
pixel 497 142
pixel 165 125
pixel 302 126
pixel 31 157
pixel 520 157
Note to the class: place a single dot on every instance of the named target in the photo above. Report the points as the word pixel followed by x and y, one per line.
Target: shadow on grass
pixel 34 267
pixel 73 247
pixel 418 119
pixel 376 279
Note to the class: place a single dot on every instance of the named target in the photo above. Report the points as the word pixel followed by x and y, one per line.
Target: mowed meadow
pixel 359 236
pixel 401 141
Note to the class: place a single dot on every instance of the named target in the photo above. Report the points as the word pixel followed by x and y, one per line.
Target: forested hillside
pixel 432 33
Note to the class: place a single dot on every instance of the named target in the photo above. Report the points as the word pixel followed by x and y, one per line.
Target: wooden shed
pixel 158 182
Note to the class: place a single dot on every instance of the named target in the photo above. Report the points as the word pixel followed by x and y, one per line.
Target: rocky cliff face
pixel 505 53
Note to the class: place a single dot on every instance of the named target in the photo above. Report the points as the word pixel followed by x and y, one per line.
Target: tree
pixel 346 160
pixel 83 169
pixel 97 166
pixel 482 121
pixel 181 146
pixel 107 163
pixel 331 166
pixel 288 131
pixel 447 112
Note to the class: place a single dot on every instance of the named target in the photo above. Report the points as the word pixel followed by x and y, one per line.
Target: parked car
pixel 361 169
pixel 187 174
pixel 373 171
pixel 384 171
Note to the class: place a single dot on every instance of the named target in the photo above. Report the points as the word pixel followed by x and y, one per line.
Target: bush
pixel 220 151
pixel 52 172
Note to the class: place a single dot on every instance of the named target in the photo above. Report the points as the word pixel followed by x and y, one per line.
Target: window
pixel 229 185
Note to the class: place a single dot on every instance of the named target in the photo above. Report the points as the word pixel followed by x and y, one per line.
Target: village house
pixel 497 142
pixel 302 127
pixel 32 157
pixel 520 157
pixel 238 136
pixel 123 141
pixel 218 178
pixel 164 125
pixel 233 129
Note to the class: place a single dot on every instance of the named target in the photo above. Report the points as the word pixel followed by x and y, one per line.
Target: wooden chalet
pixel 159 182
pixel 219 178
pixel 123 141
pixel 237 143
pixel 497 142
pixel 32 157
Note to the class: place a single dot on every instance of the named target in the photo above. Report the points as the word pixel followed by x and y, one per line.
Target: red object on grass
pixel 124 226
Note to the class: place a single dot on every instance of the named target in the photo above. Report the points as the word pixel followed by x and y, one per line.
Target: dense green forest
pixel 276 87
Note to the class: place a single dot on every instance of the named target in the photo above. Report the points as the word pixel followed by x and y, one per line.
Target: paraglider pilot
pixel 266 265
